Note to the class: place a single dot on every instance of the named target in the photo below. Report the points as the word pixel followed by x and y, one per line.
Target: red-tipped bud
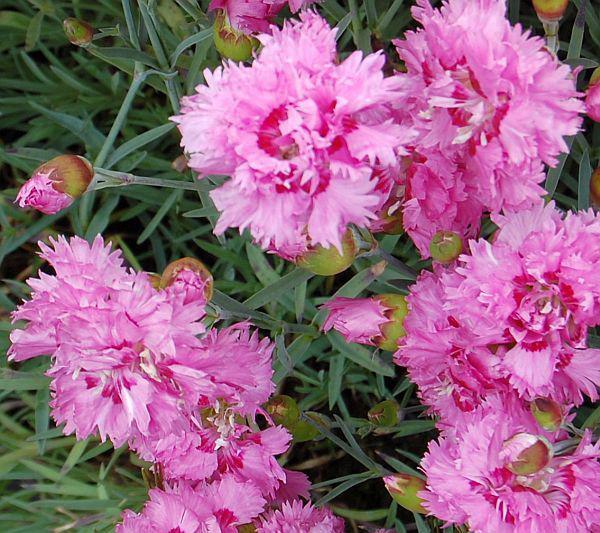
pixel 525 454
pixel 284 410
pixel 393 329
pixel 55 184
pixel 189 277
pixel 592 96
pixel 329 261
pixel 78 32
pixel 404 489
pixel 550 10
pixel 445 247
pixel 595 187
pixel 385 414
pixel 232 43
pixel 547 413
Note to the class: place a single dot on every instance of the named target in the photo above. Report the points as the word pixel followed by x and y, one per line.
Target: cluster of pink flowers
pixel 132 362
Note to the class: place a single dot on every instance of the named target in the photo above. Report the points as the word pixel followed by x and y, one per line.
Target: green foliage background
pixel 111 102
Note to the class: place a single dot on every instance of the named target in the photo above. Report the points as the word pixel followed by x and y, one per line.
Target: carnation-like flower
pixel 592 97
pixel 493 101
pixel 298 517
pixel 122 352
pixel 375 321
pixel 221 506
pixel 189 279
pixel 512 317
pixel 55 184
pixel 498 474
pixel 306 140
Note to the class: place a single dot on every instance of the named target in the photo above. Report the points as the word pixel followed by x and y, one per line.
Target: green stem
pixel 104 179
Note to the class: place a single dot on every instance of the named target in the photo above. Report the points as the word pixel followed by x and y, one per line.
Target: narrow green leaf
pixel 336 374
pixel 157 218
pixel 137 142
pixel 14 380
pixel 190 41
pixel 42 417
pixel 116 52
pixel 276 290
pixel 577 32
pixel 101 219
pixel 553 176
pixel 359 355
pixel 585 176
pixel 33 31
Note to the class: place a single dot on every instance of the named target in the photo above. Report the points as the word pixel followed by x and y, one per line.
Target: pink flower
pixel 471 478
pixel 121 351
pixel 55 184
pixel 513 316
pixel 357 319
pixel 219 506
pixel 494 102
pixel 307 143
pixel 296 517
pixel 592 101
pixel 254 15
pixel 40 193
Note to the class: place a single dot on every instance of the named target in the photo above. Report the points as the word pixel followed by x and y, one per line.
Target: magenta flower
pixel 298 517
pixel 308 141
pixel 40 193
pixel 592 100
pixel 219 506
pixel 493 101
pixel 499 474
pixel 512 318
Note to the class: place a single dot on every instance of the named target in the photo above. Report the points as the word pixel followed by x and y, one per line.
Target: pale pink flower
pixel 357 319
pixel 493 101
pixel 470 478
pixel 40 192
pixel 299 517
pixel 219 506
pixel 250 16
pixel 512 317
pixel 306 144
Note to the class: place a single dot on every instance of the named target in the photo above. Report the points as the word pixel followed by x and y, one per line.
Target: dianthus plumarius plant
pixel 293 266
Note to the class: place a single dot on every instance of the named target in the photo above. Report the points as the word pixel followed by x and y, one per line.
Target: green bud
pixel 526 453
pixel 547 413
pixel 445 246
pixel 284 410
pixel 394 329
pixel 404 489
pixel 303 431
pixel 550 10
pixel 231 43
pixel 385 414
pixel 71 174
pixel 329 261
pixel 78 32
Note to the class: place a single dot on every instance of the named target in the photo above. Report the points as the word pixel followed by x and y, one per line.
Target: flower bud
pixel 404 489
pixel 592 97
pixel 393 329
pixel 328 261
pixel 385 414
pixel 303 431
pixel 189 277
pixel 284 410
pixel 389 219
pixel 232 43
pixel 78 32
pixel 595 187
pixel 445 246
pixel 550 10
pixel 526 454
pixel 55 184
pixel 547 413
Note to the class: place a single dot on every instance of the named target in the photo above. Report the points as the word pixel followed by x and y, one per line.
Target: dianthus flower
pixel 499 474
pixel 512 317
pixel 221 506
pixel 298 517
pixel 307 141
pixel 122 352
pixel 492 100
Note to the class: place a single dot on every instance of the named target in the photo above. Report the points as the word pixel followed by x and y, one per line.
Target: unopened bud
pixel 55 184
pixel 284 410
pixel 230 42
pixel 190 277
pixel 396 312
pixel 329 261
pixel 404 489
pixel 550 10
pixel 547 413
pixel 595 187
pixel 445 246
pixel 303 431
pixel 390 219
pixel 592 97
pixel 384 414
pixel 526 454
pixel 78 32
